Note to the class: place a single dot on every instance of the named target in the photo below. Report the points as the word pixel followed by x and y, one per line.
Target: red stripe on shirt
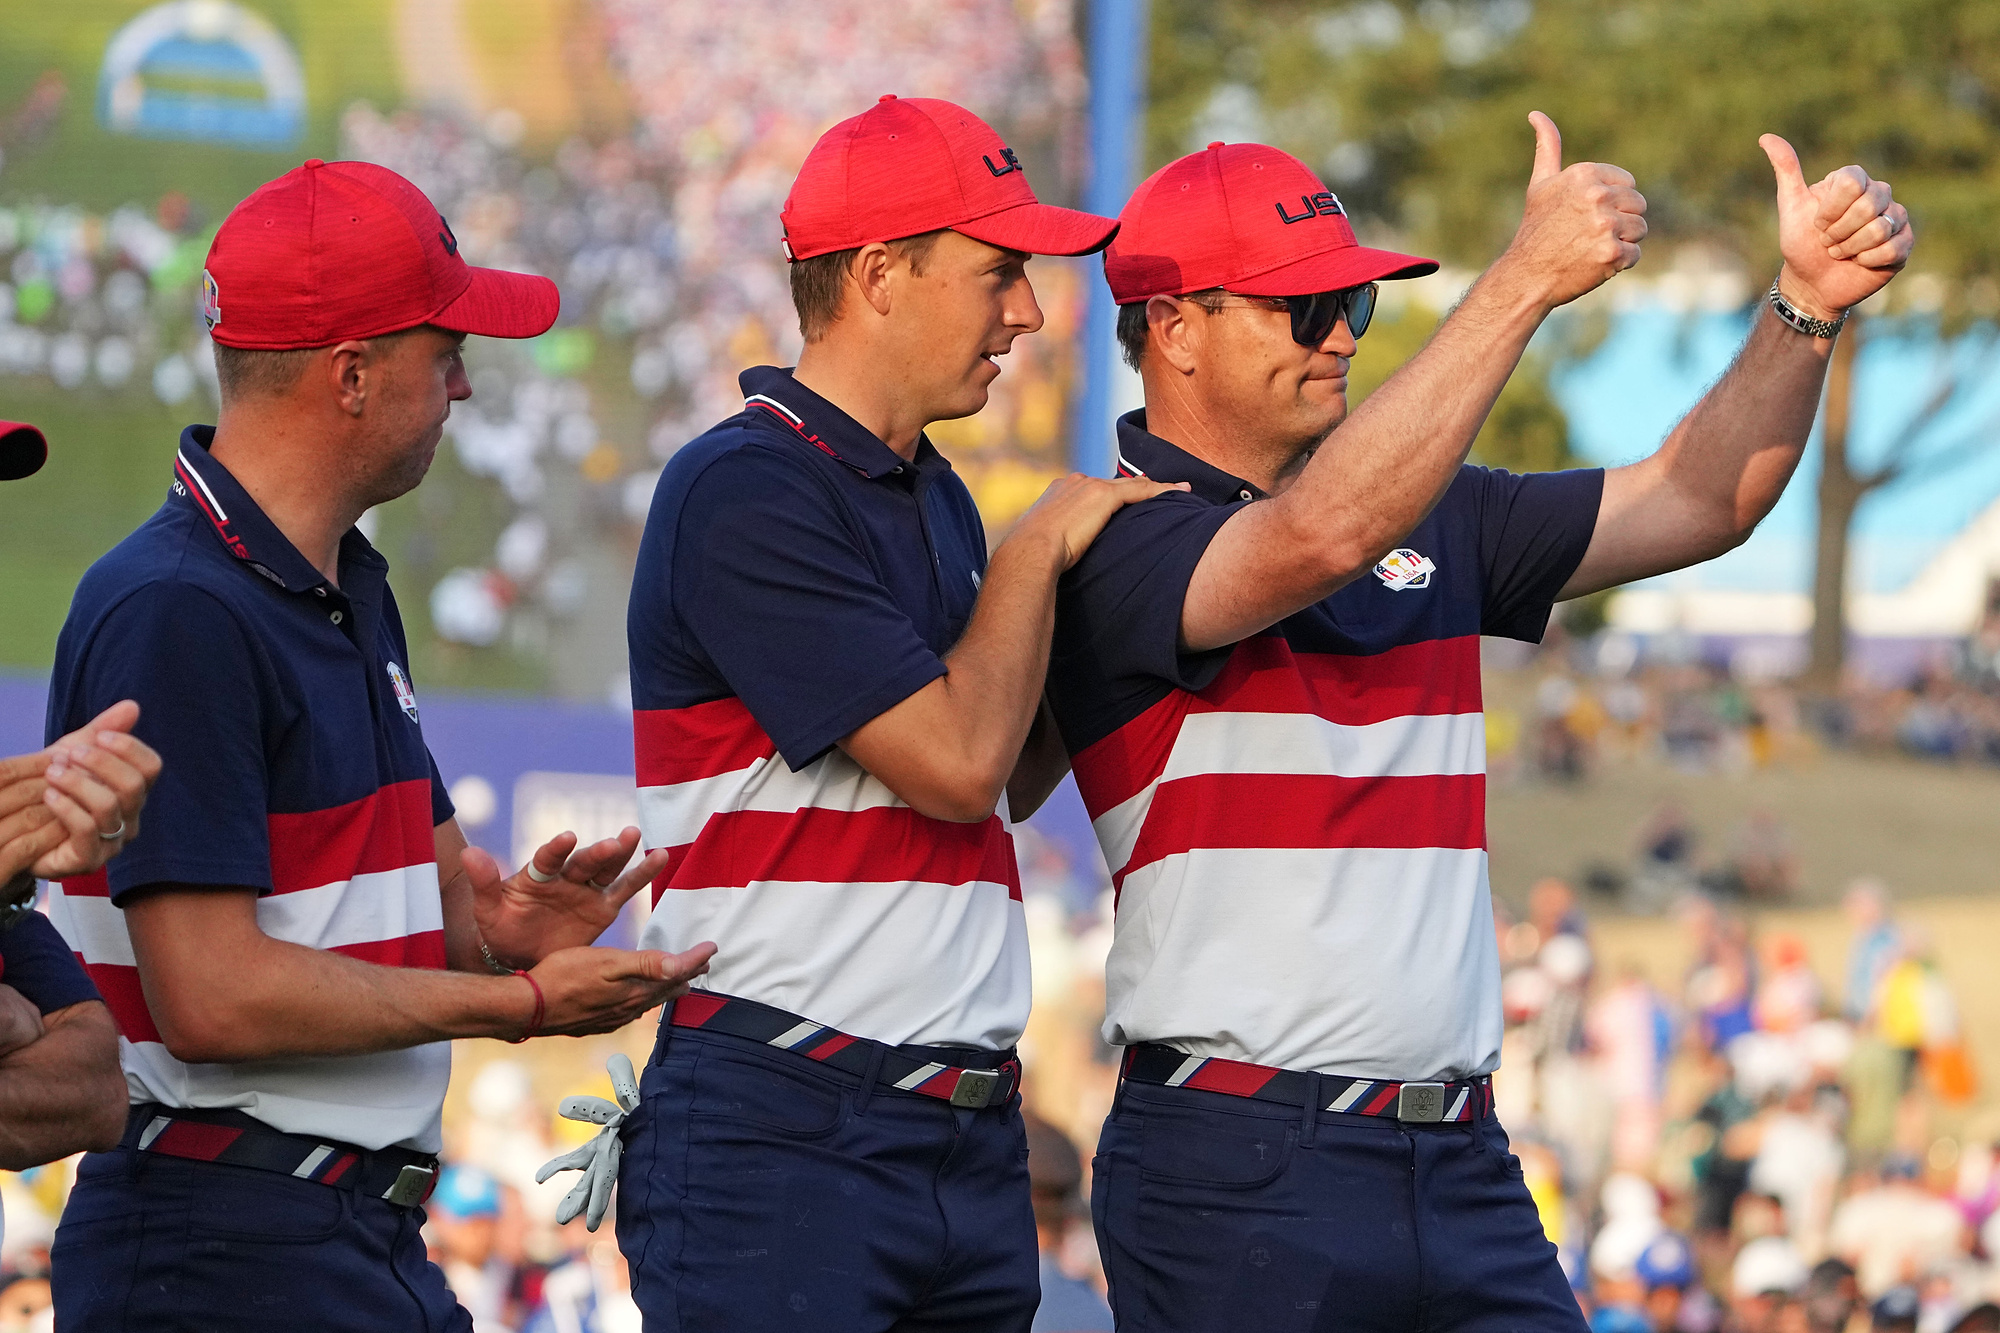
pixel 1229 810
pixel 386 831
pixel 682 744
pixel 119 985
pixel 94 885
pixel 424 949
pixel 1265 675
pixel 1231 1076
pixel 887 844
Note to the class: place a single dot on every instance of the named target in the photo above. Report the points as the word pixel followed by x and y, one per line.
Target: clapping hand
pixel 564 897
pixel 1843 238
pixel 66 810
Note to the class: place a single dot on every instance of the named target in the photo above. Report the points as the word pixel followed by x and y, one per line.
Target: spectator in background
pixel 1055 1179
pixel 1767 1275
pixel 1895 1231
pixel 1896 1311
pixel 1830 1297
pixel 1874 946
pixel 464 1223
pixel 592 1293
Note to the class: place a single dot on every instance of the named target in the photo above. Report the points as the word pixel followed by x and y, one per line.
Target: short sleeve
pixel 41 966
pixel 780 594
pixel 1533 531
pixel 204 691
pixel 1118 613
pixel 441 806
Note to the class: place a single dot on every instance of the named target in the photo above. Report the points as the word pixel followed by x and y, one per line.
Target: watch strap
pixel 1804 323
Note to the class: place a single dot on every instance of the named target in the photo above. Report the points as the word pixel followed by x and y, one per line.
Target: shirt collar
pixel 1141 454
pixel 772 390
pixel 244 530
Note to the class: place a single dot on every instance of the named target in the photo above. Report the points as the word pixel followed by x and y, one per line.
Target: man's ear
pixel 870 272
pixel 350 371
pixel 1170 335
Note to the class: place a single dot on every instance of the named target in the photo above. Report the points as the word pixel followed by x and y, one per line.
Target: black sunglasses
pixel 1314 316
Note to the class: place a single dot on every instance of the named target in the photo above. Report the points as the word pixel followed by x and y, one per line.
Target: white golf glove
pixel 597 1159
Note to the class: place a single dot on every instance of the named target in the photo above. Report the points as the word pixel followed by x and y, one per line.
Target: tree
pixel 1415 111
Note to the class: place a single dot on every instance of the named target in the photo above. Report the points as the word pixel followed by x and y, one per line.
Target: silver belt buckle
pixel 1421 1103
pixel 975 1088
pixel 412 1187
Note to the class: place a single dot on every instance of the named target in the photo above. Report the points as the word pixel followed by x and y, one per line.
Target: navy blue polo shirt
pixel 35 961
pixel 1295 823
pixel 294 764
pixel 795 561
pixel 798 578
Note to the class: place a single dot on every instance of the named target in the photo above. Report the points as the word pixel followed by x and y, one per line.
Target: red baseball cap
pixel 339 250
pixel 23 450
pixel 1246 217
pixel 909 165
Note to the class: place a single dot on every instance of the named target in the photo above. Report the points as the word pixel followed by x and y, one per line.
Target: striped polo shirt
pixel 294 765
pixel 1296 824
pixel 798 578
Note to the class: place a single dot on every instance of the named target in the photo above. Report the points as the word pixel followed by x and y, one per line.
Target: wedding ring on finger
pixel 535 873
pixel 116 833
pixel 601 887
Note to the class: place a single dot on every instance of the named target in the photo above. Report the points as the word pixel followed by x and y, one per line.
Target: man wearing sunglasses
pixel 1270 690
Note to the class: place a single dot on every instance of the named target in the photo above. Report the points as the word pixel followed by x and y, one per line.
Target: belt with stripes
pixel 967 1087
pixel 1412 1103
pixel 403 1177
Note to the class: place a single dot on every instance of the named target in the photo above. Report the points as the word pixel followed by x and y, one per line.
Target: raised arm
pixel 951 748
pixel 1726 463
pixel 1382 470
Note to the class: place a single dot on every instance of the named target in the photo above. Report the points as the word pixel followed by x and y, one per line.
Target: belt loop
pixel 1311 1121
pixel 868 1077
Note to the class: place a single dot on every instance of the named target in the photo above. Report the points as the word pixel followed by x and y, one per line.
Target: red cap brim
pixel 23 450
pixel 1042 229
pixel 499 304
pixel 1347 266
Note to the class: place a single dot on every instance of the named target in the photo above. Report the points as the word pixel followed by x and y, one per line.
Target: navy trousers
pixel 761 1190
pixel 153 1244
pixel 1221 1213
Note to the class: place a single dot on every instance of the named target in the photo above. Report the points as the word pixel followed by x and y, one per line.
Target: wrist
pixel 533 1025
pixel 502 964
pixel 1804 299
pixel 1034 546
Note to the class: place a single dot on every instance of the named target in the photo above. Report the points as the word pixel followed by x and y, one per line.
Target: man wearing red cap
pixel 300 927
pixel 1270 689
pixel 833 690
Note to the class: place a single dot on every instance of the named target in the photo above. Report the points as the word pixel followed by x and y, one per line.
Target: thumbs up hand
pixel 1843 239
pixel 1582 223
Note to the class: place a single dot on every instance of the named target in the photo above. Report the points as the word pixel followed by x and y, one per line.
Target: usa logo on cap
pixel 405 696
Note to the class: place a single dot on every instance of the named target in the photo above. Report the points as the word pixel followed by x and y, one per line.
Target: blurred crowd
pixel 1609 704
pixel 664 238
pixel 1751 1148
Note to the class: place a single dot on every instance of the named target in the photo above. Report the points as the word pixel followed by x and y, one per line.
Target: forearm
pixel 1720 470
pixel 461 925
pixel 994 676
pixel 280 1001
pixel 1381 471
pixel 64 1093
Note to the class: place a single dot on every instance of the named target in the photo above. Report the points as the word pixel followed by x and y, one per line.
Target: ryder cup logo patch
pixel 405 696
pixel 211 301
pixel 1403 568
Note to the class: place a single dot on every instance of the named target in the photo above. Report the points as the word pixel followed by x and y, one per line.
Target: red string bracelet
pixel 541 1010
